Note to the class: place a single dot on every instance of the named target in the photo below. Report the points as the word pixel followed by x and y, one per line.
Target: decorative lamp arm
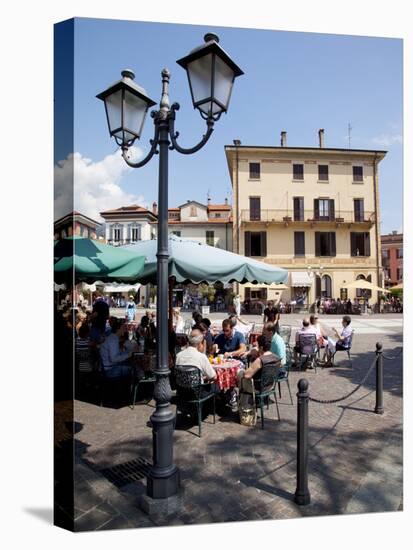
pixel 173 135
pixel 153 150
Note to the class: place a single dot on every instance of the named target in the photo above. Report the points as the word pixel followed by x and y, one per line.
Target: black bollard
pixel 302 494
pixel 379 379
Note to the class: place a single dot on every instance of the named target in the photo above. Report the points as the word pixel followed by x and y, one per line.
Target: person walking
pixel 237 304
pixel 131 309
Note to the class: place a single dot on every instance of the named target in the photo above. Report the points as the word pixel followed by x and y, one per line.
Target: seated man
pixel 307 328
pixel 240 326
pixel 230 342
pixel 115 361
pixel 194 356
pixel 343 338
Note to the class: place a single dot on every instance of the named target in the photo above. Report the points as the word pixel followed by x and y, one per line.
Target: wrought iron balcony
pixel 307 217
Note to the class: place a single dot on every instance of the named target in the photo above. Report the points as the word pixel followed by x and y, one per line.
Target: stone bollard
pixel 302 494
pixel 379 379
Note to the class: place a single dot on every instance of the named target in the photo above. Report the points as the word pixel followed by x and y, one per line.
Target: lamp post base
pixel 165 485
pixel 302 498
pixel 160 507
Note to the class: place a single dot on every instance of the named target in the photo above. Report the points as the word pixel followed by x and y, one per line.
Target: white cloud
pixel 387 140
pixel 96 185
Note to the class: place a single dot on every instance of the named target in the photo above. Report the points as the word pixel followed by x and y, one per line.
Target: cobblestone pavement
pixel 236 473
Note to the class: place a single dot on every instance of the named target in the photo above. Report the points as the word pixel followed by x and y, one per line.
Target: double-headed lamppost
pixel 211 74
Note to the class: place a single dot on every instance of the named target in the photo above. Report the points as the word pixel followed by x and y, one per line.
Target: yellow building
pixel 311 210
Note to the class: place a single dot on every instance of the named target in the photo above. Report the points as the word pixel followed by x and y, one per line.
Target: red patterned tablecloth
pixel 227 374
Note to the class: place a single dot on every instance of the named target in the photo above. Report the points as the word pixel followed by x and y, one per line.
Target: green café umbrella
pixel 194 262
pixel 92 260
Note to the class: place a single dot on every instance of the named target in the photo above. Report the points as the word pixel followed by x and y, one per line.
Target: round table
pixel 227 374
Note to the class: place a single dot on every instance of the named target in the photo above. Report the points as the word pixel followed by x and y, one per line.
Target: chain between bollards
pixel 379 409
pixel 302 494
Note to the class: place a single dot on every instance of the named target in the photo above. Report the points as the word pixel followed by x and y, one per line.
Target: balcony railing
pixel 307 216
pixel 120 242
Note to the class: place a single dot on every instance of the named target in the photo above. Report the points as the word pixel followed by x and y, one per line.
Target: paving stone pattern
pixel 236 473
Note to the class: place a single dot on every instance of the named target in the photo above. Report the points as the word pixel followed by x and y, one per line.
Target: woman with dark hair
pixel 266 357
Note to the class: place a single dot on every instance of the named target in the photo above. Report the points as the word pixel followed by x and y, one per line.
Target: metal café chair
pixel 191 390
pixel 149 363
pixel 346 348
pixel 307 344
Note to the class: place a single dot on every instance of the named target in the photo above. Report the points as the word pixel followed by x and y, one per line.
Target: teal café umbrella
pixel 193 262
pixel 89 260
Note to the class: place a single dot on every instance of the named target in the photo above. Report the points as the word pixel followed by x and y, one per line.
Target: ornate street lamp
pixel 211 74
pixel 126 106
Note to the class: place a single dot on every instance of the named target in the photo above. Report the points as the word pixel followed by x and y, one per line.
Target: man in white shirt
pixel 343 337
pixel 194 356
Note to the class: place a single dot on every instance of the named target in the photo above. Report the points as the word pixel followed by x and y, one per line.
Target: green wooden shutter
pixel 316 209
pixel 263 243
pixel 333 243
pixel 367 244
pixel 247 243
pixel 332 210
pixel 317 243
pixel 353 246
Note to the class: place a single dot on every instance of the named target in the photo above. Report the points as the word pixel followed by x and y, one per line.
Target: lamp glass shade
pixel 211 74
pixel 134 112
pixel 113 104
pixel 223 81
pixel 200 80
pixel 126 106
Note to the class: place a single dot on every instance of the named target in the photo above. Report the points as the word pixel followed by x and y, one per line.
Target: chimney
pixel 394 232
pixel 226 201
pixel 321 137
pixel 283 138
pixel 209 201
pixel 155 208
pixel 237 142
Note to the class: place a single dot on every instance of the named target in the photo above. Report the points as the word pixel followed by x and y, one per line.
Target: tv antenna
pixel 349 135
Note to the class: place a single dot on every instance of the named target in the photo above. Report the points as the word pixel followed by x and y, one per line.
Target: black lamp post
pixel 211 74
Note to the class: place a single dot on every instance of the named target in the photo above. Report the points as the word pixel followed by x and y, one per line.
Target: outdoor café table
pixel 227 374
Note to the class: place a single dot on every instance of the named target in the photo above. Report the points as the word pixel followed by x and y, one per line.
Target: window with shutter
pixel 298 171
pixel 360 244
pixel 325 243
pixel 256 246
pixel 255 208
pixel 210 240
pixel 299 243
pixel 358 210
pixel 323 172
pixel 357 174
pixel 255 170
pixel 298 209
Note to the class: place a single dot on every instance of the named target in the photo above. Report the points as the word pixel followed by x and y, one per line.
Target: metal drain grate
pixel 125 473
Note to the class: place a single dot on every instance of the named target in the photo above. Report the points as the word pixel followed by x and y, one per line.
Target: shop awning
pixel 301 278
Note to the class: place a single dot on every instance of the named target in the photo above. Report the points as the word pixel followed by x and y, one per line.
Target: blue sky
pixel 298 82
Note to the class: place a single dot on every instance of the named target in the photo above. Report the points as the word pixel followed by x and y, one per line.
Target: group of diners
pixel 341 340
